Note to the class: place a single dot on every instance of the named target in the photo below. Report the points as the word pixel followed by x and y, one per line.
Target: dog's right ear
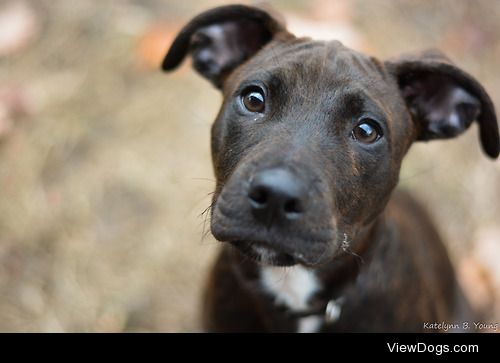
pixel 221 39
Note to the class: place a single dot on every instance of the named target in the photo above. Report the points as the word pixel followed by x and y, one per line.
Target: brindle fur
pixel 395 274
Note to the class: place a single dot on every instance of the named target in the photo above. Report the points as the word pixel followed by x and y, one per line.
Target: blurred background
pixel 105 166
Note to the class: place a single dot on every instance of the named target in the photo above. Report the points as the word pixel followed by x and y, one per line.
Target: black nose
pixel 275 195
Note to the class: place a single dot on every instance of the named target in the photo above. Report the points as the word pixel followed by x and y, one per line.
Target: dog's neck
pixel 312 295
pixel 315 295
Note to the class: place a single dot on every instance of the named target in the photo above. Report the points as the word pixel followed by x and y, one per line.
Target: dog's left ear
pixel 443 99
pixel 221 39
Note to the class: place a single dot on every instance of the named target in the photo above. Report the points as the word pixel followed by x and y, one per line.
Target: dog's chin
pixel 265 254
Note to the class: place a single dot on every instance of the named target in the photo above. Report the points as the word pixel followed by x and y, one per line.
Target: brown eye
pixel 254 100
pixel 367 132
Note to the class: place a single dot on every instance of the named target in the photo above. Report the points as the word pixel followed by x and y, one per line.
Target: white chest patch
pixel 310 324
pixel 292 286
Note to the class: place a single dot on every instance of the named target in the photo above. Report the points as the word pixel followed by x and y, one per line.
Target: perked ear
pixel 443 99
pixel 221 39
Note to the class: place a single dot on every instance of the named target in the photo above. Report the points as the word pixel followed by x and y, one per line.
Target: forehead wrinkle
pixel 311 70
pixel 364 102
pixel 298 48
pixel 360 63
pixel 369 66
pixel 306 60
pixel 275 56
pixel 324 60
pixel 332 56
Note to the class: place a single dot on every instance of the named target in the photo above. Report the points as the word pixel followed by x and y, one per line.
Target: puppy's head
pixel 308 143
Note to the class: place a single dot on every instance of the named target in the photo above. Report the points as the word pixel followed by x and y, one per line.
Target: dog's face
pixel 309 141
pixel 301 118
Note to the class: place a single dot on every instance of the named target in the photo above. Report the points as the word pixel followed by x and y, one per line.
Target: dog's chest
pixel 293 287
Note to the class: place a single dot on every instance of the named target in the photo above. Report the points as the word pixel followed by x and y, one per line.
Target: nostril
pixel 292 208
pixel 259 197
pixel 276 196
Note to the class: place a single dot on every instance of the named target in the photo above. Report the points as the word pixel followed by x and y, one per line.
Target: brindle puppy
pixel 307 149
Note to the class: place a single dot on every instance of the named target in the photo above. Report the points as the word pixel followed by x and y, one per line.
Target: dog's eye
pixel 253 99
pixel 367 131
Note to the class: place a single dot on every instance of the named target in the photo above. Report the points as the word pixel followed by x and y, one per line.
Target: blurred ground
pixel 105 167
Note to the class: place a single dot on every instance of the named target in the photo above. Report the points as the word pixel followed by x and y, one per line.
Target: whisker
pixel 346 247
pixel 206 218
pixel 418 173
pixel 205 211
pixel 205 179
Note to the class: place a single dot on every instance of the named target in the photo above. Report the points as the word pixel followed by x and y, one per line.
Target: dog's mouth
pixel 311 242
pixel 263 253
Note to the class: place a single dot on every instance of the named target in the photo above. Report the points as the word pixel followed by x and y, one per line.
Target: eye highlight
pixel 253 99
pixel 367 131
